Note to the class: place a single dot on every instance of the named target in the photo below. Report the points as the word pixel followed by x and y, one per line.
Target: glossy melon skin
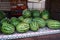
pixel 7 28
pixel 14 21
pixel 26 13
pixel 21 18
pixel 22 27
pixel 40 21
pixel 5 20
pixel 45 14
pixel 27 20
pixel 36 13
pixel 53 24
pixel 34 26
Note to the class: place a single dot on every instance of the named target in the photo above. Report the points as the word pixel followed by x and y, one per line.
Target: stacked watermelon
pixel 30 20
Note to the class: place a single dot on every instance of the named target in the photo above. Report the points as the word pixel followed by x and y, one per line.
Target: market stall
pixel 24 19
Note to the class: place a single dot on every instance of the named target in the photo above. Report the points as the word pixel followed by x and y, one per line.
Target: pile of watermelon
pixel 31 20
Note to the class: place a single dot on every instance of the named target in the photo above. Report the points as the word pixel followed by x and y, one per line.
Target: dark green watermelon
pixel 14 21
pixel 5 20
pixel 36 13
pixel 45 14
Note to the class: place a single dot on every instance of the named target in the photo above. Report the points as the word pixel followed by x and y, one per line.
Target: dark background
pixel 54 8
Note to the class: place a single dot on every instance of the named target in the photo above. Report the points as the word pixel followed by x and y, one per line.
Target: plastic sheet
pixel 42 31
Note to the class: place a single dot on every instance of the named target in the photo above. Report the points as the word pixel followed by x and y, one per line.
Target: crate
pixel 38 5
pixel 6 5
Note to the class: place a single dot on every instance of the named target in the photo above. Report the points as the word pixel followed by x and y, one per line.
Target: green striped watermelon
pixel 7 28
pixel 53 24
pixel 22 27
pixel 34 26
pixel 40 21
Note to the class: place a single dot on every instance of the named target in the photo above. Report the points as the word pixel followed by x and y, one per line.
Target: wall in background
pixel 38 5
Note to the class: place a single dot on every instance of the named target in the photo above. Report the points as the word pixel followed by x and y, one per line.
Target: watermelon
pixel 36 13
pixel 45 14
pixel 7 28
pixel 26 13
pixel 22 27
pixel 5 20
pixel 14 21
pixel 21 18
pixel 34 26
pixel 40 21
pixel 27 20
pixel 53 24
